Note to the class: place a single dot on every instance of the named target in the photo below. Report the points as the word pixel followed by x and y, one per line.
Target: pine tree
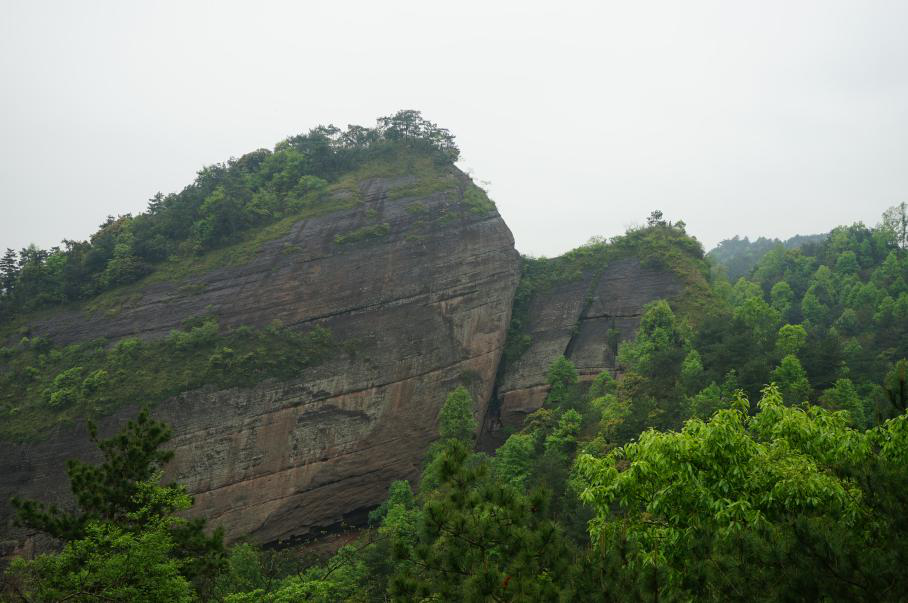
pixel 109 493
pixel 456 420
pixel 480 539
pixel 9 271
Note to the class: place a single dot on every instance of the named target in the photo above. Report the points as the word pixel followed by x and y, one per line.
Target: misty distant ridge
pixel 738 256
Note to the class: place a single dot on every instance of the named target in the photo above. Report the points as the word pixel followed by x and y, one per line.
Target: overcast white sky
pixel 769 117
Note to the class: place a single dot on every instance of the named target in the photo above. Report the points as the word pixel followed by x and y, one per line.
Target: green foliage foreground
pixel 788 504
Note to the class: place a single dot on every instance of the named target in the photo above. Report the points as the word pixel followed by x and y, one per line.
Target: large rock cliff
pixel 416 287
pixel 413 273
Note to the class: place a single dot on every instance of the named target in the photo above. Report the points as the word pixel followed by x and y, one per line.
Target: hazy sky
pixel 739 117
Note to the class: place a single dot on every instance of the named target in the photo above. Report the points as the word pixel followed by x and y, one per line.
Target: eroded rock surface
pixel 415 313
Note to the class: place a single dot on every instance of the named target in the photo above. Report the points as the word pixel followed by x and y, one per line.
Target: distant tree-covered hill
pixel 738 256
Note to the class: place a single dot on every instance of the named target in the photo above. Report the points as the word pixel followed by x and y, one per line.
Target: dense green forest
pixel 751 446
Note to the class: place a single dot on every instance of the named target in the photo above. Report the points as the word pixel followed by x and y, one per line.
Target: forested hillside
pixel 749 444
pixel 827 321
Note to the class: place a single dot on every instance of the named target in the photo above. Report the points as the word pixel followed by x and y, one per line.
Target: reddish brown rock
pixel 418 311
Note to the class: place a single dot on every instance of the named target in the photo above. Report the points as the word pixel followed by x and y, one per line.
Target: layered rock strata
pixel 417 307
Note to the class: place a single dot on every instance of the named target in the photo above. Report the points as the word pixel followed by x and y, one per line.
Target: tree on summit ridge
pixel 895 220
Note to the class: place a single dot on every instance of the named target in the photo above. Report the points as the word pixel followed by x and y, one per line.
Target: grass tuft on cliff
pixel 42 385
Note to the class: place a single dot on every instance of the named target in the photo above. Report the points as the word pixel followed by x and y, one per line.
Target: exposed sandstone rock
pixel 417 311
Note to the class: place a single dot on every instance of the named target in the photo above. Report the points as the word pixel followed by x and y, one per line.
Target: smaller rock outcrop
pixel 583 318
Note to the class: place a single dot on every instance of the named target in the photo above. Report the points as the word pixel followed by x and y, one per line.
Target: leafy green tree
pixel 760 318
pixel 652 381
pixel 614 422
pixel 848 322
pixel 790 339
pixel 781 297
pixel 124 267
pixel 409 125
pixel 562 380
pixel 847 263
pixel 792 380
pixel 9 271
pixel 661 344
pixel 456 420
pixel 514 460
pixel 110 563
pixel 744 290
pixel 396 535
pixel 844 396
pixel 401 515
pixel 790 504
pixel 655 219
pixel 602 385
pixel 895 222
pixel 896 386
pixel 813 309
pixel 713 397
pixel 243 572
pixel 691 371
pixel 563 439
pixel 339 580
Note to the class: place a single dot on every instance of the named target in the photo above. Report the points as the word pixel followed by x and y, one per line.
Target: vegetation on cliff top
pixel 304 175
pixel 222 219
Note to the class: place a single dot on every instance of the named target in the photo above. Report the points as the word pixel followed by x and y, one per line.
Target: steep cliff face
pixel 415 283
